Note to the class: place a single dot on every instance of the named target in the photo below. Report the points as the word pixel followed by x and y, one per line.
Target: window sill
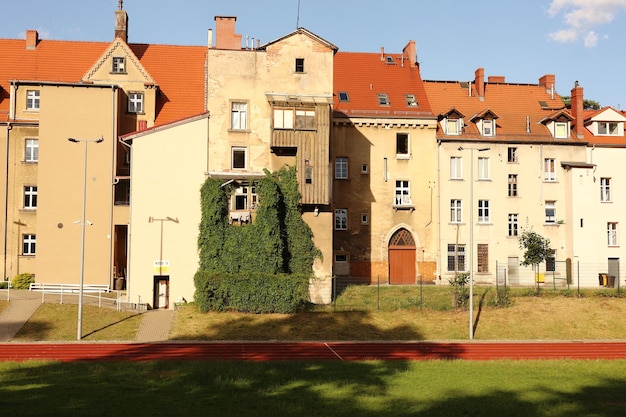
pixel 484 224
pixel 238 130
pixel 403 156
pixel 397 207
pixel 28 209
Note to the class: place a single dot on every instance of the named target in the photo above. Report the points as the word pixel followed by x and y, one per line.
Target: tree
pixel 587 104
pixel 537 248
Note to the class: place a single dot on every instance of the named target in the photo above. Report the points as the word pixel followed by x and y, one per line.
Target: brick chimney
pixel 32 39
pixel 496 79
pixel 410 51
pixel 121 24
pixel 225 36
pixel 479 81
pixel 577 110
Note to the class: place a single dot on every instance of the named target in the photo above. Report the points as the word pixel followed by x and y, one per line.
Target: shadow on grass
pixel 329 388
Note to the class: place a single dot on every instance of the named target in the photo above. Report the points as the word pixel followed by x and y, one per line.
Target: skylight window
pixel 389 60
pixel 383 99
pixel 343 96
pixel 411 101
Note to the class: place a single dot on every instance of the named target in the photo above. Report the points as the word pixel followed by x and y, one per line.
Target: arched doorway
pixel 402 258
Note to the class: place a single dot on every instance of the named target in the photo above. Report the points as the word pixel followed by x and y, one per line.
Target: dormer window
pixel 608 128
pixel 118 65
pixel 410 100
pixel 488 128
pixel 383 99
pixel 561 130
pixel 452 126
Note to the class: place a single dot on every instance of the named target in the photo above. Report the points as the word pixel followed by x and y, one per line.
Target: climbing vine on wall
pixel 278 242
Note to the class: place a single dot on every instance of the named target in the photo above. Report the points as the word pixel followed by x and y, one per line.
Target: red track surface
pixel 263 351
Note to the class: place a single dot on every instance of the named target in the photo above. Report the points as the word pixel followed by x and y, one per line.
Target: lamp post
pixel 471 244
pixel 83 221
pixel 165 219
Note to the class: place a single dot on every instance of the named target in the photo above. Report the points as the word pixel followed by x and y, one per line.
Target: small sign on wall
pixel 161 267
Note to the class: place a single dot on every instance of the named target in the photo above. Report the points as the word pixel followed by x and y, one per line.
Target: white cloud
pixel 581 17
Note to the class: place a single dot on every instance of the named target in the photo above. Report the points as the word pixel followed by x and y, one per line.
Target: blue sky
pixel 577 40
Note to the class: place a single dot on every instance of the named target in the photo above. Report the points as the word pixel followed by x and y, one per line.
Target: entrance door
pixel 161 291
pixel 402 258
pixel 513 270
pixel 613 269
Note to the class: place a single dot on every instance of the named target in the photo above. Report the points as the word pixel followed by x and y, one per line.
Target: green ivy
pixel 245 267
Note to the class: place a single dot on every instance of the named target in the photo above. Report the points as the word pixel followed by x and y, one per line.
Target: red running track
pixel 265 351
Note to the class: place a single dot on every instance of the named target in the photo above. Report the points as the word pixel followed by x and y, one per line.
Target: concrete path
pixel 154 327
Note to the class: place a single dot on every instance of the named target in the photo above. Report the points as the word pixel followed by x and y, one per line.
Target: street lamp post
pixel 83 221
pixel 165 219
pixel 471 244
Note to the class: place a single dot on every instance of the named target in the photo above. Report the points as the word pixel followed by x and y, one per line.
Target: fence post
pixel 378 292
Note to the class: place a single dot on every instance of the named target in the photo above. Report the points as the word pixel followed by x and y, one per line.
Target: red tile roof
pixel 602 140
pixel 178 70
pixel 517 107
pixel 364 75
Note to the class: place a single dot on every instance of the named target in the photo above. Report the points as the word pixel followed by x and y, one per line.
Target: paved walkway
pixel 154 327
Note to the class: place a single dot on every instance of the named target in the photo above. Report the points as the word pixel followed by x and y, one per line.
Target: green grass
pixel 323 388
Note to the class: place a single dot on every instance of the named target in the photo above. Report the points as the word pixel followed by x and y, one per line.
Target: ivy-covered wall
pixel 278 242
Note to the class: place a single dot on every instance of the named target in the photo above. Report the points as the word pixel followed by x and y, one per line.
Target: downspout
pixel 112 205
pixel 6 197
pixel 130 216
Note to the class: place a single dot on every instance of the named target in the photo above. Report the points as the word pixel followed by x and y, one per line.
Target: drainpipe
pixel 111 226
pixel 6 196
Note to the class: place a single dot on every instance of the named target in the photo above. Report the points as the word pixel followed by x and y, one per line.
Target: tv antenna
pixel 298 18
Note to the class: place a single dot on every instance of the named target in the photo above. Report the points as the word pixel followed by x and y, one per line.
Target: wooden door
pixel 402 258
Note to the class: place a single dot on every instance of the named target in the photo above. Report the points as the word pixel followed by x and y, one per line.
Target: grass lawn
pixel 324 388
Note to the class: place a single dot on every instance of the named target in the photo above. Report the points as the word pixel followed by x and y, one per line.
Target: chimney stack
pixel 479 81
pixel 577 110
pixel 225 36
pixel 549 82
pixel 121 24
pixel 32 39
pixel 410 51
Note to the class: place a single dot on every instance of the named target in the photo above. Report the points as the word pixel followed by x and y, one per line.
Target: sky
pixel 577 40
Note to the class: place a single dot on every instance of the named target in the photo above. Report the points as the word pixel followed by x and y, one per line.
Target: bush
pixel 22 281
pixel 4 285
pixel 251 293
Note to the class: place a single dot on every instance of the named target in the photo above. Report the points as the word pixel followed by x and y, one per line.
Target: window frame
pixel 29 244
pixel 512 154
pixel 31 156
pixel 550 205
pixel 488 127
pixel 612 234
pixel 605 190
pixel 341 168
pixel 299 65
pixel 235 157
pixel 549 169
pixel 456 258
pixel 33 100
pixel 456 167
pixel 482 258
pixel 484 212
pixel 402 194
pixel 403 145
pixel 411 101
pixel 456 211
pixel 116 68
pixel 483 167
pixel 343 96
pixel 383 99
pixel 30 197
pixel 453 127
pixel 135 102
pixel 291 118
pixel 512 185
pixel 341 219
pixel 606 126
pixel 513 225
pixel 561 130
pixel 239 116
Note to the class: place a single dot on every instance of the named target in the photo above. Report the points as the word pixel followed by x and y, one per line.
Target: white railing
pixel 72 289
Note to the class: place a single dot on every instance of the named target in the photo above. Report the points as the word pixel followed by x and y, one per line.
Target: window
pixel 29 244
pixel 513 224
pixel 549 169
pixel 343 96
pixel 31 151
pixel 488 128
pixel 239 116
pixel 299 64
pixel 308 174
pixel 410 100
pixel 30 197
pixel 611 230
pixel 32 100
pixel 244 198
pixel 456 258
pixel 383 99
pixel 453 127
pixel 365 168
pixel 118 65
pixel 550 208
pixel 299 119
pixel 482 258
pixel 341 219
pixel 456 168
pixel 551 261
pixel 122 192
pixel 341 168
pixel 365 219
pixel 341 257
pixel 135 102
pixel 483 211
pixel 402 146
pixel 456 211
pixel 560 130
pixel 403 196
pixel 605 190
pixel 238 157
pixel 608 128
pixel 512 154
pixel 512 185
pixel 483 168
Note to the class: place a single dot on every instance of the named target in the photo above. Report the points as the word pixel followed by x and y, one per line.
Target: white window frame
pixel 453 127
pixel 484 212
pixel 512 154
pixel 411 101
pixel 608 128
pixel 550 212
pixel 605 190
pixel 33 100
pixel 483 168
pixel 235 153
pixel 512 185
pixel 29 244
pixel 135 102
pixel 341 219
pixel 402 196
pixel 383 99
pixel 513 224
pixel 549 169
pixel 456 257
pixel 611 231
pixel 456 168
pixel 456 211
pixel 239 115
pixel 488 127
pixel 561 130
pixel 341 168
pixel 30 197
pixel 294 118
pixel 118 65
pixel 403 140
pixel 31 150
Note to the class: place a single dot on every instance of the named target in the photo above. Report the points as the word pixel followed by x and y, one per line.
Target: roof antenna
pixel 297 19
pixel 121 6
